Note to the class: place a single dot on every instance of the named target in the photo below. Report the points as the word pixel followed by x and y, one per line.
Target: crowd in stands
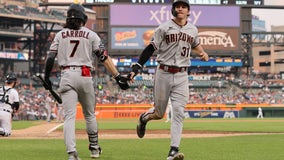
pixel 204 88
pixel 33 98
pixel 32 10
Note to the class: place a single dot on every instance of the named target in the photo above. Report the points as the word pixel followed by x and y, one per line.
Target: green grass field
pixel 251 147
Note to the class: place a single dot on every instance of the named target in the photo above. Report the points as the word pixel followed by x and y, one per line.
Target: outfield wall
pixel 191 111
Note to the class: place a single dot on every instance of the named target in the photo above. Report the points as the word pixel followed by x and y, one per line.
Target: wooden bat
pixel 49 88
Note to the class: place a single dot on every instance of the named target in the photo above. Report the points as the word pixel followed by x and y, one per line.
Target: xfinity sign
pixel 154 15
pixel 164 14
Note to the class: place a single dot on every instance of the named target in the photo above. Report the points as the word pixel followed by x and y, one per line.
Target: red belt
pixel 73 67
pixel 172 69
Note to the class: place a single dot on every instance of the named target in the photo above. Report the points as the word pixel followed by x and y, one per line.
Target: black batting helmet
pixel 11 77
pixel 174 13
pixel 76 11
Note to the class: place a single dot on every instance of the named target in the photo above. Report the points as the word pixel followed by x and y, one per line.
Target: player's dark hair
pixel 174 12
pixel 73 24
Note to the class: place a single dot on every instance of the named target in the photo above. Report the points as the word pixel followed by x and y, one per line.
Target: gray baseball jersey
pixel 78 46
pixel 174 43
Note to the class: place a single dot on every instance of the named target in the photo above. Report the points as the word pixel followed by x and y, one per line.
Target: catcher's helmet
pixel 11 77
pixel 174 13
pixel 76 11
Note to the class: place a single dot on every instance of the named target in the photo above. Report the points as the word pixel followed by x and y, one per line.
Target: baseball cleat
pixel 95 153
pixel 73 156
pixel 141 127
pixel 178 156
pixel 2 132
pixel 175 155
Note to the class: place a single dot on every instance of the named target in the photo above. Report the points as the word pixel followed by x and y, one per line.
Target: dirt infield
pixel 48 131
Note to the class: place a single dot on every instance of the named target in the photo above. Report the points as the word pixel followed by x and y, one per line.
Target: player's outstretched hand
pixel 131 76
pixel 135 69
pixel 122 82
pixel 204 56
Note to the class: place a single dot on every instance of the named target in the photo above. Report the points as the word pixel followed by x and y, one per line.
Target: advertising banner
pixel 119 113
pixel 14 55
pixel 154 15
pixel 130 38
pixel 221 39
pixel 212 114
pixel 134 110
pixel 217 62
pixel 130 113
pixel 221 62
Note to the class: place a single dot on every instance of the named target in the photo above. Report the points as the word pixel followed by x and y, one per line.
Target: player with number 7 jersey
pixel 75 47
pixel 76 42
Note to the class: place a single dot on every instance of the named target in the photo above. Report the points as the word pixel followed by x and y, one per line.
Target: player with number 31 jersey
pixel 173 42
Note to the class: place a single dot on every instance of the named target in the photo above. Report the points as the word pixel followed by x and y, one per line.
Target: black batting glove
pixel 136 67
pixel 122 82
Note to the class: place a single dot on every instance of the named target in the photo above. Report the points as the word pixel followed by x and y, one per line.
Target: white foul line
pixel 54 128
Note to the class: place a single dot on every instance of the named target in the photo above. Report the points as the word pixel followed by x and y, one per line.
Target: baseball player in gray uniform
pixel 169 111
pixel 60 113
pixel 173 41
pixel 75 47
pixel 48 106
pixel 9 104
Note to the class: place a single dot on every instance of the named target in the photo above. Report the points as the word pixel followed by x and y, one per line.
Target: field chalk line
pixel 54 128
